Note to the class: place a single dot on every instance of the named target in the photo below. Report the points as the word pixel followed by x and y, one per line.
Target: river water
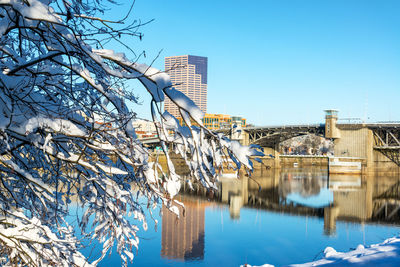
pixel 277 217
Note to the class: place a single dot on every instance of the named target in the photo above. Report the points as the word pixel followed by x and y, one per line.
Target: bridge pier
pixel 274 152
pixel 361 141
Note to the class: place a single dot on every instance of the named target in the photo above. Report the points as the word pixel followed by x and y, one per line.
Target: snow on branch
pixel 66 136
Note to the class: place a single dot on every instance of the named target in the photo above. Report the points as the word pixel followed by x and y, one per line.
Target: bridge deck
pixel 295 126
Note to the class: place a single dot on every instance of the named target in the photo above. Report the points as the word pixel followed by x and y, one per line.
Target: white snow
pixel 182 101
pixel 40 184
pixel 153 79
pixel 386 254
pixel 64 117
pixel 36 10
pixel 58 125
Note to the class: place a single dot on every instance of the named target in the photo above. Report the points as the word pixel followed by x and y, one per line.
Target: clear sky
pixel 283 62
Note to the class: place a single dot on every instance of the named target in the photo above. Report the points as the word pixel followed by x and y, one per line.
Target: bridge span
pixel 271 135
pixel 372 143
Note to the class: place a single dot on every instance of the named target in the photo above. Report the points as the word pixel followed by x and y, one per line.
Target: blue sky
pixel 283 62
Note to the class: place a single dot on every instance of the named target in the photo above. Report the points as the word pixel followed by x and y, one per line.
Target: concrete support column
pixel 246 139
pixel 275 153
pixel 277 160
pixel 370 150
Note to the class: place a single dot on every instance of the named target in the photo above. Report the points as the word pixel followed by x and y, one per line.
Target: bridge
pixel 272 135
pixel 387 140
pixel 372 143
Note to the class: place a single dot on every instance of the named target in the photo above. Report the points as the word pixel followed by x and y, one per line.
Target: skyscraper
pixel 189 76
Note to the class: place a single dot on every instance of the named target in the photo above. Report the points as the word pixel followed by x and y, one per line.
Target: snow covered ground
pixel 384 254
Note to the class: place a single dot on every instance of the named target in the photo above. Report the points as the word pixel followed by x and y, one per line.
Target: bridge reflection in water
pixel 372 198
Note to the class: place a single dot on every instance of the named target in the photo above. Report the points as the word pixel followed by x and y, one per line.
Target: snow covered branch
pixel 66 135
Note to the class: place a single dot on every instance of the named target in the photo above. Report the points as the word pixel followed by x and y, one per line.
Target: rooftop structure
pixel 222 121
pixel 219 121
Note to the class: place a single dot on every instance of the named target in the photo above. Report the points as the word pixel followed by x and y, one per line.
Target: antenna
pixel 366 107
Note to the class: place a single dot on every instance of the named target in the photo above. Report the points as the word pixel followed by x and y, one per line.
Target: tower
pixel 188 75
pixel 331 117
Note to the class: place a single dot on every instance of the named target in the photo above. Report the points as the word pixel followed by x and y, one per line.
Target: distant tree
pixel 66 133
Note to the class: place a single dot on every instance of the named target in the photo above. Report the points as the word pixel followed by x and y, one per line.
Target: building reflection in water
pixel 183 238
pixel 370 198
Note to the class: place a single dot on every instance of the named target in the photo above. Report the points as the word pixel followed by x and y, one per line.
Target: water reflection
pixel 292 191
pixel 305 187
pixel 311 192
pixel 183 238
pixel 305 183
pixel 278 217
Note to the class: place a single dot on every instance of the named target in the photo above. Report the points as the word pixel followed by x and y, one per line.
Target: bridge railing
pixel 289 126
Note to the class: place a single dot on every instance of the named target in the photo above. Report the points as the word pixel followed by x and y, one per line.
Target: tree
pixel 66 133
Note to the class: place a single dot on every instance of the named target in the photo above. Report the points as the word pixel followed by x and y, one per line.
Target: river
pixel 278 217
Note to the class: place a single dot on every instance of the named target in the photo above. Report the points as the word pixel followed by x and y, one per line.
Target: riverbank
pixel 385 254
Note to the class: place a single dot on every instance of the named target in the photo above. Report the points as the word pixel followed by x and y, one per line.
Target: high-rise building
pixel 189 76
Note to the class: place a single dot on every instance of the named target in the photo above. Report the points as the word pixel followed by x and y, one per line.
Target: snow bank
pixel 383 254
